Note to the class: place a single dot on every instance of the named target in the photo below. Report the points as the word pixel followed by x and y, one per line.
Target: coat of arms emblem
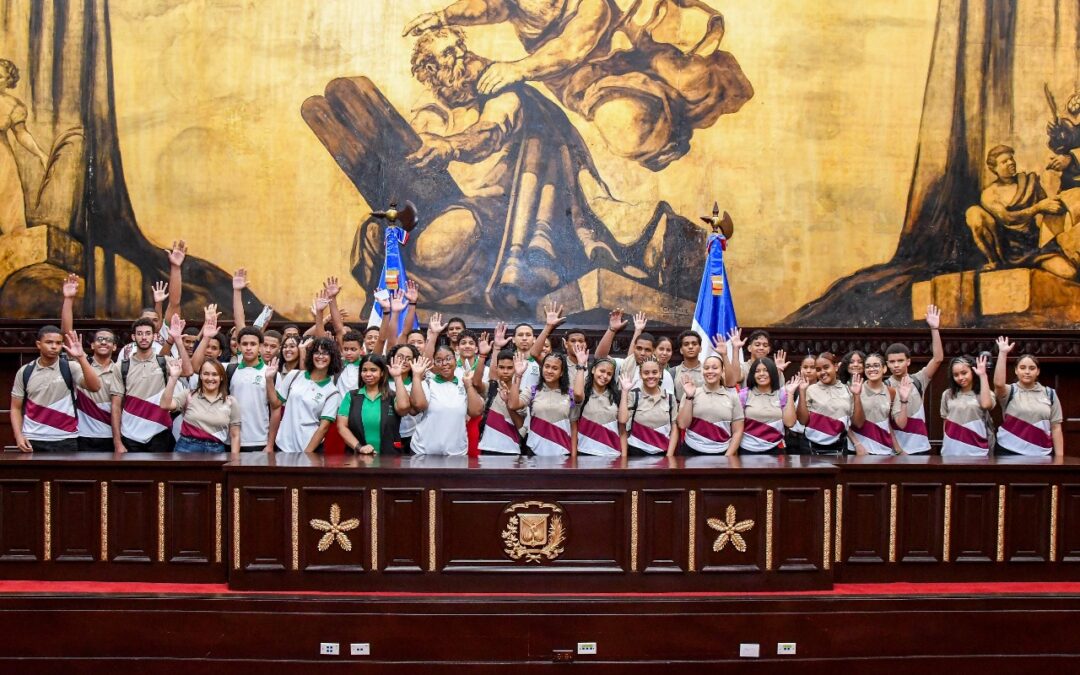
pixel 534 532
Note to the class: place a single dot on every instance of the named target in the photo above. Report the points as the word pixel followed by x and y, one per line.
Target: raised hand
pixel 520 364
pixel 483 345
pixel 331 287
pixel 803 384
pixel 856 384
pixel 435 323
pixel 240 279
pixel 554 314
pixel 178 253
pixel 1004 345
pixel 780 359
pixel 384 302
pixel 210 325
pixel 640 321
pixel 500 336
pixel 689 388
pixel 412 291
pixel 271 369
pixel 396 367
pixel 616 322
pixel 980 365
pixel 504 392
pixel 581 353
pixel 161 291
pixel 344 314
pixel 176 328
pixel 397 301
pixel 73 345
pixel 322 301
pixel 71 286
pixel 736 339
pixel 933 317
pixel 420 366
pixel 720 345
pixel 906 385
pixel 175 368
pixel 626 382
pixel 793 384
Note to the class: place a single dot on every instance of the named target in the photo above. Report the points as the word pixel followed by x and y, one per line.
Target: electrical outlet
pixel 586 648
pixel 329 648
pixel 360 649
pixel 749 650
pixel 785 649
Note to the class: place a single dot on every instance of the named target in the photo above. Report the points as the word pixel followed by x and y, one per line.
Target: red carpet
pixel 94 587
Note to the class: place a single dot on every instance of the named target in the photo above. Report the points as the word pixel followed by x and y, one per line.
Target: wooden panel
pixel 974 522
pixel 403 534
pixel 593 527
pixel 732 521
pixel 132 521
pixel 76 521
pixel 1069 523
pixel 1027 522
pixel 662 538
pixel 317 504
pixel 189 522
pixel 21 520
pixel 268 547
pixel 920 522
pixel 799 540
pixel 866 523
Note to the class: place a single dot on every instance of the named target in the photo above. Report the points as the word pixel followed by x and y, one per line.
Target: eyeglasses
pixel 104 340
pixel 872 366
pixel 444 361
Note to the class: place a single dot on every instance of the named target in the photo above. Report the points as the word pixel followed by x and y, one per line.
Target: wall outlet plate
pixel 329 648
pixel 749 650
pixel 785 649
pixel 360 649
pixel 586 648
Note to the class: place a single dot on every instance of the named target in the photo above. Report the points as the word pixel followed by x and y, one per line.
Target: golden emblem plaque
pixel 534 532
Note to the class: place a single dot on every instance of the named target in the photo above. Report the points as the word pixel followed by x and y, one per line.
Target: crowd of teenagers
pixel 451 391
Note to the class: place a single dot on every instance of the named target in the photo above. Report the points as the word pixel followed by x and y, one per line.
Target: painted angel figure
pixel 13 118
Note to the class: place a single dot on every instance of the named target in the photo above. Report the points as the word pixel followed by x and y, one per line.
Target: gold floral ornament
pixel 335 529
pixel 730 530
pixel 534 536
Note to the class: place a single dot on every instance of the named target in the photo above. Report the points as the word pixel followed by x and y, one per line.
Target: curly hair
pixel 11 71
pixel 324 344
pixel 423 59
pixel 564 375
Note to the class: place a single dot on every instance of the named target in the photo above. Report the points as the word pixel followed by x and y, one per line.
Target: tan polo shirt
pixel 48 409
pixel 207 419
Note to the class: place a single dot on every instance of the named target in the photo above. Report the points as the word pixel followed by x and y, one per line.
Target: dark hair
pixel 417 331
pixel 664 338
pixel 191 330
pixel 897 348
pixel 810 356
pixel 371 328
pixel 829 356
pixel 845 361
pixel 352 336
pixel 468 334
pixel 757 334
pixel 48 330
pixel 997 151
pixel 976 383
pixel 687 334
pixel 523 323
pixel 286 327
pixel 574 331
pixel 223 343
pixel 505 354
pixel 328 345
pixel 770 365
pixel 648 337
pixel 380 362
pixel 564 375
pixel 271 333
pixel 250 330
pixel 456 319
pixel 136 324
pixel 403 346
pixel 612 387
pixel 144 310
pixel 110 331
pixel 1027 355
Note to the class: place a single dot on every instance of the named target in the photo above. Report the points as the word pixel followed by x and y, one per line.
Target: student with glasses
pixel 443 403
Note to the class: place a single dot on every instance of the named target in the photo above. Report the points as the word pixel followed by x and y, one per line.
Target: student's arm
pixel 1058 440
pixel 1000 388
pixel 789 406
pixel 419 368
pixel 239 283
pixel 986 399
pixel 731 363
pixel 686 406
pixel 117 413
pixel 176 281
pixel 67 313
pixel 616 323
pixel 581 354
pixel 435 327
pixel 402 402
pixel 553 317
pixel 161 294
pixel 573 439
pixel 474 400
pixel 73 347
pixel 318 306
pixel 516 416
pixel 167 401
pixel 933 319
pixel 331 289
pixel 736 437
pixel 625 382
pixel 858 415
pixel 802 413
pixel 347 436
pixel 513 397
pixel 390 321
pixel 412 294
pixel 21 441
pixel 209 332
pixel 234 439
pixel 318 436
pixel 176 329
pixel 483 350
pixel 275 423
pixel 673 439
pixel 270 374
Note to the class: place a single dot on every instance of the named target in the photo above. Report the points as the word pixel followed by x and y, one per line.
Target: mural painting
pixel 556 151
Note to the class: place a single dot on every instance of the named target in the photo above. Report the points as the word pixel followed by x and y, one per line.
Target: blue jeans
pixel 189 444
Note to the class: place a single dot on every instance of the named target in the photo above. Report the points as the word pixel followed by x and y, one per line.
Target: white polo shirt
pixel 440 430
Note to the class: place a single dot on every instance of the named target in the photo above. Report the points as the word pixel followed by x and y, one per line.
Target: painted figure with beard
pixel 645 100
pixel 522 225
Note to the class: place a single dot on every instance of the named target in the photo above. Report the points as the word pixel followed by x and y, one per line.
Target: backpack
pixel 229 371
pixel 1012 392
pixel 162 363
pixel 492 392
pixel 65 372
pixel 633 408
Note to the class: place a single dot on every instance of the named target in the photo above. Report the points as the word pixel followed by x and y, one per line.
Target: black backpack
pixel 65 372
pixel 162 363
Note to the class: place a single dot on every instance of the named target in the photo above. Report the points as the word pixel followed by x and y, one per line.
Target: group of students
pixel 450 391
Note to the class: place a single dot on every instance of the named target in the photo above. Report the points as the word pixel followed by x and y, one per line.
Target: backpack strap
pixel 1009 397
pixel 164 365
pixel 229 372
pixel 1050 395
pixel 783 398
pixel 489 400
pixel 27 372
pixel 633 408
pixel 65 372
pixel 124 366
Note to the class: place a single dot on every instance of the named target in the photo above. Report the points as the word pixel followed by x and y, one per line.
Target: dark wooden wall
pixel 1058 352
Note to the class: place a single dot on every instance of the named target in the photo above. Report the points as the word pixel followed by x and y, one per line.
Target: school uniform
pixel 763 421
pixel 498 434
pixel 549 421
pixel 875 434
pixel 965 430
pixel 247 386
pixel 830 408
pixel 651 423
pixel 714 411
pixel 913 438
pixel 598 426
pixel 144 425
pixel 1028 417
pixel 440 430
pixel 94 408
pixel 307 403
pixel 50 422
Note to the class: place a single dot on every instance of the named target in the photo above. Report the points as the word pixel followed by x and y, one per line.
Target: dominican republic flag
pixel 715 311
pixel 393 274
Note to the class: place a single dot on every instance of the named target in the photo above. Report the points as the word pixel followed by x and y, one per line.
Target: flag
pixel 715 311
pixel 393 275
